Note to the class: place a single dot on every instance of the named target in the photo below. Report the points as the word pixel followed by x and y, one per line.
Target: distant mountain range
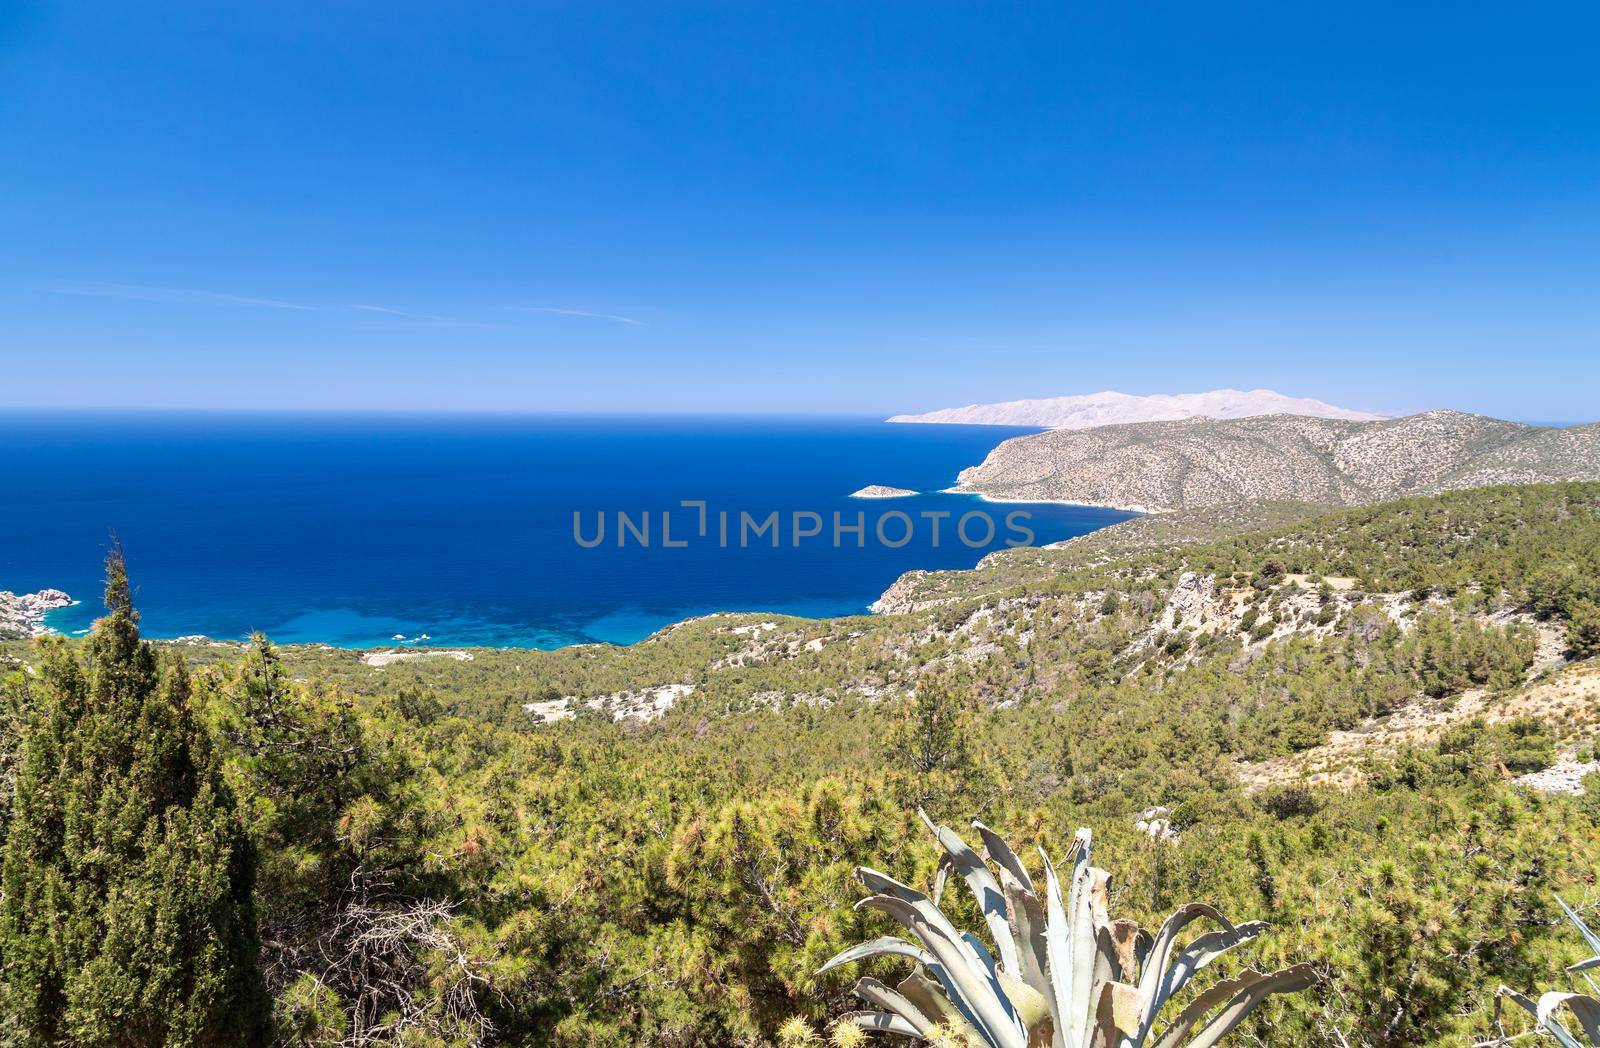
pixel 1108 408
pixel 1169 465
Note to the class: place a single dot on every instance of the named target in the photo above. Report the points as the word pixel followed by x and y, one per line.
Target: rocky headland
pixel 1197 462
pixel 22 615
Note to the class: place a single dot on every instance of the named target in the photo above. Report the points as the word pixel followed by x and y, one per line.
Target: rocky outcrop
pixel 1163 466
pixel 642 706
pixel 905 595
pixel 383 658
pixel 1565 776
pixel 23 615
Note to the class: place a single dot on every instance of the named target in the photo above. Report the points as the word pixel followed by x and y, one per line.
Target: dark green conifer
pixel 127 916
pixel 1583 629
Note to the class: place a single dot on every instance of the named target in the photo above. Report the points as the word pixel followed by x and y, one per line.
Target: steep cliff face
pixel 1162 466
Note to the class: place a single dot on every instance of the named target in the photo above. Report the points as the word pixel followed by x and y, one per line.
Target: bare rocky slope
pixel 1163 466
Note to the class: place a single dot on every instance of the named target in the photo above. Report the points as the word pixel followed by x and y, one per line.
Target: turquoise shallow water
pixel 359 530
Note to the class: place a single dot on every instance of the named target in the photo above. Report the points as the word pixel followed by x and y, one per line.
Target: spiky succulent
pixel 1062 974
pixel 1582 1007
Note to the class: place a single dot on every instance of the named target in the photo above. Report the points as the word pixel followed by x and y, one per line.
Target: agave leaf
pixel 1128 943
pixel 886 946
pixel 985 889
pixel 883 1022
pixel 975 953
pixel 1031 1007
pixel 1154 970
pixel 1000 852
pixel 1199 953
pixel 1028 921
pixel 1589 936
pixel 1583 1008
pixel 883 884
pixel 1561 1034
pixel 1203 1002
pixel 956 989
pixel 1104 1032
pixel 991 971
pixel 1285 980
pixel 893 1002
pixel 981 952
pixel 1195 1010
pixel 965 981
pixel 1125 1000
pixel 1070 943
pixel 1105 961
pixel 1521 999
pixel 1059 959
pixel 1086 911
pixel 929 996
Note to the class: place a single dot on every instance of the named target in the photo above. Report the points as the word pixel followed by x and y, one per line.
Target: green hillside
pixel 436 864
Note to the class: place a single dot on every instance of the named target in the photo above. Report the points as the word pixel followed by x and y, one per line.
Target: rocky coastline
pixel 22 615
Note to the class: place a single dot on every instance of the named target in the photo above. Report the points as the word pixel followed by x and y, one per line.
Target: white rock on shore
pixel 24 614
pixel 882 491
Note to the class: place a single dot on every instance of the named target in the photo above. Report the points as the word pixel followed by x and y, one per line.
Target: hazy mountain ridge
pixel 1112 408
pixel 1167 465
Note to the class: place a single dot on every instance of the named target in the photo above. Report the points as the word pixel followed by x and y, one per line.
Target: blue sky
pixel 818 207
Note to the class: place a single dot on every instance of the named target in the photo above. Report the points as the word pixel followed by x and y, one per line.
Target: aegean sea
pixel 438 530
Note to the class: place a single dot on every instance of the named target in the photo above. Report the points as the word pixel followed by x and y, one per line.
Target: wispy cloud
pixel 615 318
pixel 195 296
pixel 192 296
pixel 386 311
pixel 179 295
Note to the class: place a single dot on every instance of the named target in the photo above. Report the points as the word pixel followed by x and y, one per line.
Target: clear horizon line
pixel 465 412
pixel 523 412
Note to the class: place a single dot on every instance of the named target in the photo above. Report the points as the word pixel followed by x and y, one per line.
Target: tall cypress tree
pixel 127 916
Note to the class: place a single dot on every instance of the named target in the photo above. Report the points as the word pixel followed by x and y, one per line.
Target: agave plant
pixel 1582 1007
pixel 1061 974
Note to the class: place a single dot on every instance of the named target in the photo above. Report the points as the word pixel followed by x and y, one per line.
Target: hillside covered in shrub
pixel 656 844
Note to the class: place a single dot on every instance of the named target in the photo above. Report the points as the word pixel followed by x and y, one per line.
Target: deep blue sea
pixel 355 530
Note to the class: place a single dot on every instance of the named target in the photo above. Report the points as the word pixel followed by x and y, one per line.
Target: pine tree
pixel 1583 629
pixel 127 916
pixel 931 730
